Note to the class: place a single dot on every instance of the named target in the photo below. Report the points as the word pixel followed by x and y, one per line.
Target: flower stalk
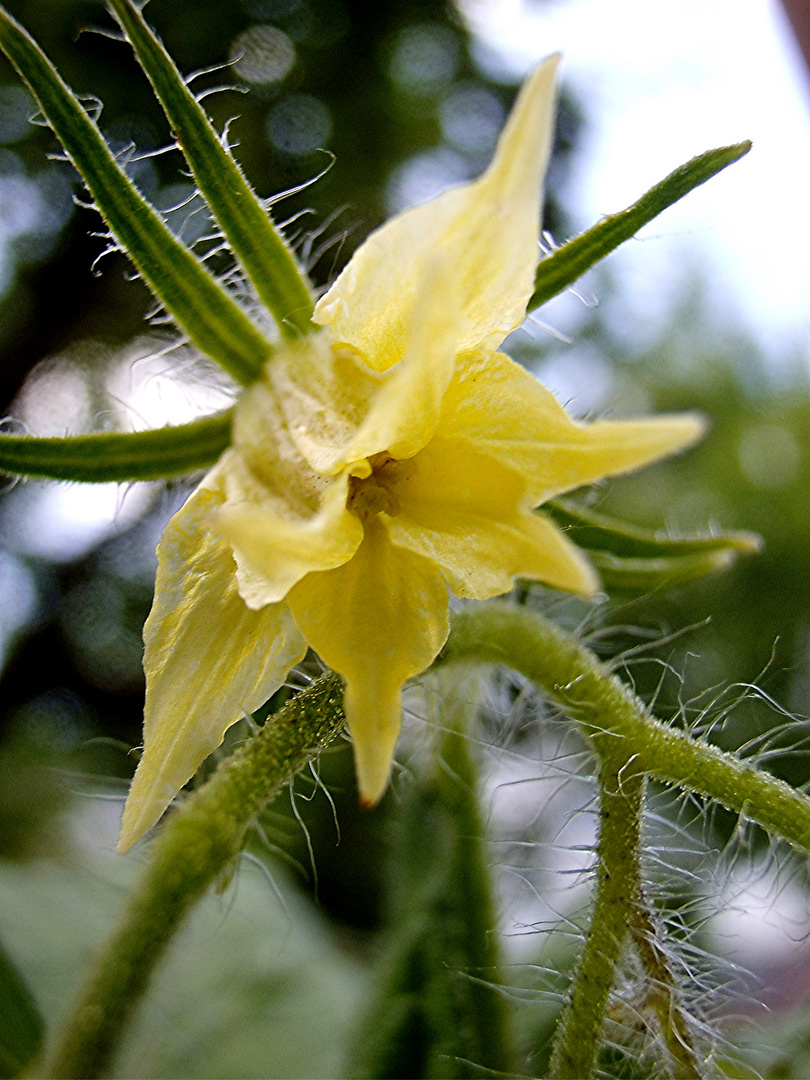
pixel 609 712
pixel 621 915
pixel 577 1040
pixel 194 848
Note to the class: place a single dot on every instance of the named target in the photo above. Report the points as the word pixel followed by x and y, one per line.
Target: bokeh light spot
pixel 299 124
pixel 769 456
pixel 263 54
pixel 425 57
pixel 16 108
pixel 471 118
pixel 422 177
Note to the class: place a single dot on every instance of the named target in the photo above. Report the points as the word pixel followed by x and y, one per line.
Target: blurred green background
pixel 369 107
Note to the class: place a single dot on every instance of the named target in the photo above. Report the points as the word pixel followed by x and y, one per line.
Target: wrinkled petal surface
pixel 322 395
pixel 466 512
pixel 487 231
pixel 273 552
pixel 338 411
pixel 504 411
pixel 377 620
pixel 209 660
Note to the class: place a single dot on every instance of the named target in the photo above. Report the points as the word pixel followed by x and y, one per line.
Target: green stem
pixel 191 851
pixel 664 994
pixel 501 633
pixel 474 918
pixel 577 1040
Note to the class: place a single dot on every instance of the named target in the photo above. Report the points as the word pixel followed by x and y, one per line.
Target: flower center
pixel 374 493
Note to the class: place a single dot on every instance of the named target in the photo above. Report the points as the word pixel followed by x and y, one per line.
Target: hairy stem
pixel 501 633
pixel 664 994
pixel 577 1040
pixel 191 851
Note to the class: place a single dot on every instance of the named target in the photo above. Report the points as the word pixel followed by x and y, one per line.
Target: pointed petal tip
pixel 691 426
pixel 373 766
pixel 369 804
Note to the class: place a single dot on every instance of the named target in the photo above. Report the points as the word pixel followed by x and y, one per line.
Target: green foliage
pixel 640 562
pixel 246 223
pixel 437 1009
pixel 21 1026
pixel 210 317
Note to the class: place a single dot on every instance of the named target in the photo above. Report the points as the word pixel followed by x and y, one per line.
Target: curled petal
pixel 487 231
pixel 377 620
pixel 321 394
pixel 464 511
pixel 272 552
pixel 209 660
pixel 504 411
pixel 338 412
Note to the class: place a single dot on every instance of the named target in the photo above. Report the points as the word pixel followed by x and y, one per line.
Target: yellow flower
pixel 389 459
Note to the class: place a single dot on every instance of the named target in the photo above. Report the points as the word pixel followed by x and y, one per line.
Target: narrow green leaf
pixel 21 1026
pixel 206 312
pixel 140 455
pixel 257 244
pixel 562 267
pixel 636 577
pixel 595 531
pixel 636 561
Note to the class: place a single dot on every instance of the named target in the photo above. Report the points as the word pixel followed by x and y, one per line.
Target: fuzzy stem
pixel 501 633
pixel 664 996
pixel 194 847
pixel 620 909
pixel 576 1043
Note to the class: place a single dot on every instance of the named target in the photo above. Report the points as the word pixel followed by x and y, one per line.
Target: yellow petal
pixel 322 394
pixel 487 231
pixel 274 552
pixel 378 620
pixel 326 394
pixel 209 660
pixel 265 464
pixel 504 411
pixel 466 512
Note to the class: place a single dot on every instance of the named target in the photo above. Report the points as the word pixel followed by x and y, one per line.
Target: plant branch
pixel 194 847
pixel 501 633
pixel 576 1043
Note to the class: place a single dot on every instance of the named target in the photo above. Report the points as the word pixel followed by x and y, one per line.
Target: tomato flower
pixel 387 460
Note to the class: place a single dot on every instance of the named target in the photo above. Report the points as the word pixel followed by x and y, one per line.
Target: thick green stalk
pixel 202 308
pixel 620 911
pixel 562 267
pixel 193 848
pixel 119 456
pixel 261 249
pixel 501 633
pixel 577 1040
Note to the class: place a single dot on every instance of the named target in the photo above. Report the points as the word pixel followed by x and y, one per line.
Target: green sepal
pixel 117 456
pixel 562 267
pixel 21 1025
pixel 634 560
pixel 637 577
pixel 204 310
pixel 254 239
pixel 590 529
